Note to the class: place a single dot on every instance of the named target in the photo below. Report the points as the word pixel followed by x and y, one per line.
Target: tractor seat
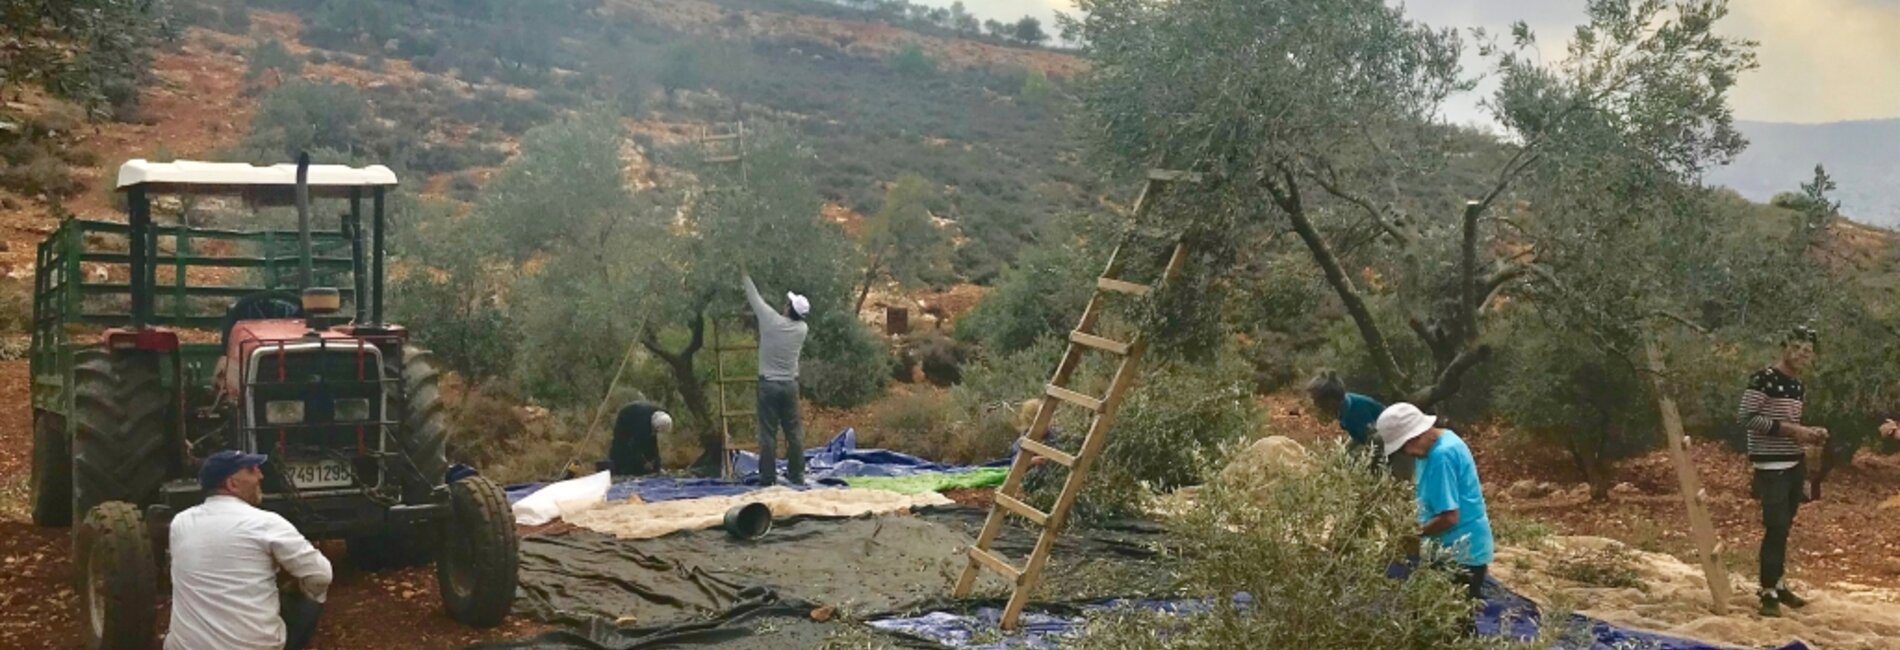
pixel 263 305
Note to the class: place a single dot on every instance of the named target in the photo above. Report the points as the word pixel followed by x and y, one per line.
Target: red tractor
pixel 137 379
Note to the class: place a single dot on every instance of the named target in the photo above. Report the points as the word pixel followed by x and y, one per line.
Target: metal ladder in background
pixel 1009 498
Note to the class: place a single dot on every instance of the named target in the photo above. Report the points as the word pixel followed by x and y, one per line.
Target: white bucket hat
pixel 799 304
pixel 662 422
pixel 1400 423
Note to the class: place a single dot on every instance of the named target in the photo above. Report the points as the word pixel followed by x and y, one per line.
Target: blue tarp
pixel 825 466
pixel 1505 613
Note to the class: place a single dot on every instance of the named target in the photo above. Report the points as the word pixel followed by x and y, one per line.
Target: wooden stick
pixel 1700 525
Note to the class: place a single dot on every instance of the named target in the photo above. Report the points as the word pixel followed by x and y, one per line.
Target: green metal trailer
pixel 157 345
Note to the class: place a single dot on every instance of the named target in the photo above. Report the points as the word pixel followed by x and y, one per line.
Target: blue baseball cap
pixel 222 465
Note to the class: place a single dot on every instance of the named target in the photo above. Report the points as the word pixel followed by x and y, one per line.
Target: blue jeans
pixel 300 615
pixel 778 409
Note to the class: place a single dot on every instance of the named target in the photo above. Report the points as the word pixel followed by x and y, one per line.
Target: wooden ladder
pixel 720 349
pixel 1009 499
pixel 725 145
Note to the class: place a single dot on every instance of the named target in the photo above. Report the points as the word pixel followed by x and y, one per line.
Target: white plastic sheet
pixel 559 500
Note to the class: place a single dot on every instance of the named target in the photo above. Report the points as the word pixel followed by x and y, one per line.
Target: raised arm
pixel 759 308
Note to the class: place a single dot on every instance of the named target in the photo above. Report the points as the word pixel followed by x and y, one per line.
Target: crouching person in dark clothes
pixel 1771 414
pixel 1445 481
pixel 636 446
pixel 225 556
pixel 1356 415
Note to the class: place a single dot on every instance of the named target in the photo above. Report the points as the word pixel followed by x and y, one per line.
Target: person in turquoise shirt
pixel 1356 414
pixel 1450 497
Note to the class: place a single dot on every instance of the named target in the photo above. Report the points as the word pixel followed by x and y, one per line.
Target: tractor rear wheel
pixel 52 471
pixel 422 434
pixel 118 578
pixel 422 429
pixel 120 448
pixel 476 568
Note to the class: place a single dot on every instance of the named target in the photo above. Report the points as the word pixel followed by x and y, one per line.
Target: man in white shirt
pixel 225 556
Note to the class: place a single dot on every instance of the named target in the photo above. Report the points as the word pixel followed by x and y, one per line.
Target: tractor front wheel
pixel 476 565
pixel 118 578
pixel 52 471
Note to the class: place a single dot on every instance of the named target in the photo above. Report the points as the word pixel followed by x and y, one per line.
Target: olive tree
pixel 1322 116
pixel 901 241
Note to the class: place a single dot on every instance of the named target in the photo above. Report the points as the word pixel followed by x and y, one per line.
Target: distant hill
pixel 1863 157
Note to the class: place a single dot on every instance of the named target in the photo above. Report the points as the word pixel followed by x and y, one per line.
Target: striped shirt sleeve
pixel 1764 409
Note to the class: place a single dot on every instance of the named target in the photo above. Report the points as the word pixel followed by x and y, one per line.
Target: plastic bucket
pixel 749 521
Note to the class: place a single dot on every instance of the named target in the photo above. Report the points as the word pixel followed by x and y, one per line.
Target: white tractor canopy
pixel 218 178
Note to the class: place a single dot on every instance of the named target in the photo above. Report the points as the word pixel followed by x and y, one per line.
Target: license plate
pixel 318 474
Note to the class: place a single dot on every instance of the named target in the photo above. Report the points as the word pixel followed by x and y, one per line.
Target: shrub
pixel 921 423
pixel 1308 549
pixel 228 16
pixel 81 156
pixel 940 356
pixel 1562 389
pixel 269 54
pixel 844 365
pixel 41 174
pixel 16 306
pixel 449 157
pixel 912 61
pixel 1042 295
pixel 1613 566
pixel 306 115
pixel 1170 433
pixel 464 188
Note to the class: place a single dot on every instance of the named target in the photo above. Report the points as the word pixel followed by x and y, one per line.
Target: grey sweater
pixel 780 338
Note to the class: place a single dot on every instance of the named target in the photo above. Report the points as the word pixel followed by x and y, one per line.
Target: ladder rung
pixel 1024 510
pixel 1072 397
pixel 1112 284
pixel 1173 175
pixel 1046 451
pixel 992 562
pixel 1099 343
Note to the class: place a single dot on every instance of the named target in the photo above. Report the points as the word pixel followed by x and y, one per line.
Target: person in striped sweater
pixel 1771 414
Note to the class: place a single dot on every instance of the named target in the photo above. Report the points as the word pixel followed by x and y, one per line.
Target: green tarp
pixel 981 477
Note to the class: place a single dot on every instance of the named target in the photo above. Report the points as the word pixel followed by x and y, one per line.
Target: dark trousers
pixel 1473 579
pixel 1779 491
pixel 778 410
pixel 300 615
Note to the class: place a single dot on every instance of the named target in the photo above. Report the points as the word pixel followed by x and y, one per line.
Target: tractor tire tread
pixel 481 516
pixel 120 449
pixel 117 530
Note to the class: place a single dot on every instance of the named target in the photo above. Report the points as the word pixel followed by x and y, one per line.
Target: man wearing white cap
pixel 781 338
pixel 1445 480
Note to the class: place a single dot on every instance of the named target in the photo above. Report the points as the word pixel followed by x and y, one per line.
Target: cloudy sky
pixel 1821 60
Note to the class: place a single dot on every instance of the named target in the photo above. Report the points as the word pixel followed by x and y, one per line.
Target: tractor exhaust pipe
pixel 318 302
pixel 303 220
